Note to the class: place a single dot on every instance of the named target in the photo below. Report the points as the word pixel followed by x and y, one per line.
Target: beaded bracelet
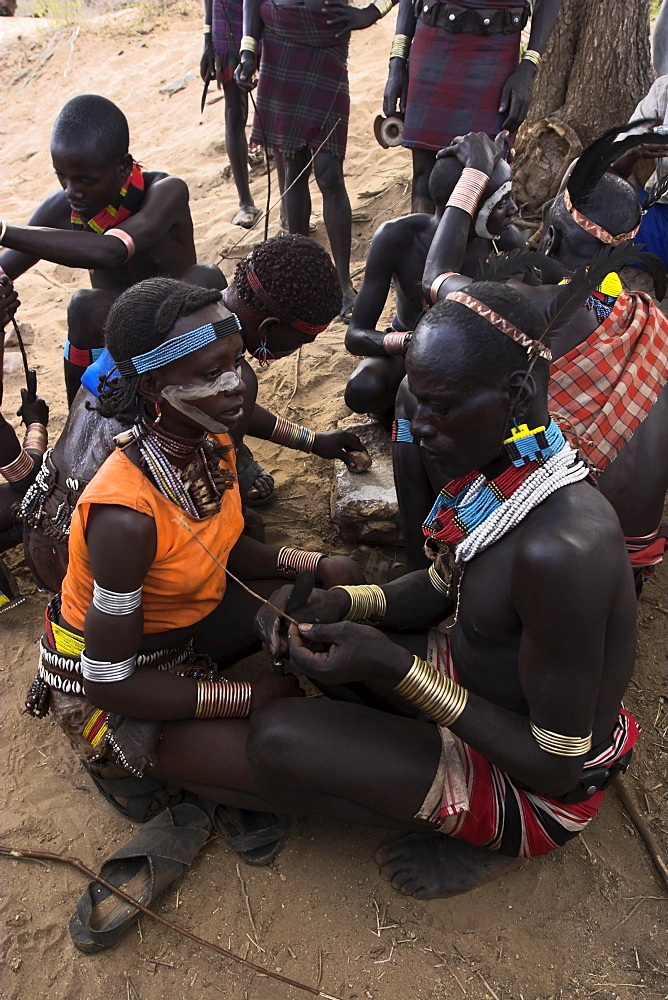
pixel 207 29
pixel 531 55
pixel 291 562
pixel 441 698
pixel 397 343
pixel 248 44
pixel 292 435
pixel 36 437
pixel 21 467
pixel 383 6
pixel 223 700
pixel 563 746
pixel 467 190
pixel 400 47
pixel 367 602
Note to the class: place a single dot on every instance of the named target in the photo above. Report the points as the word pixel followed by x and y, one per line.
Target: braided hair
pixel 138 321
pixel 298 274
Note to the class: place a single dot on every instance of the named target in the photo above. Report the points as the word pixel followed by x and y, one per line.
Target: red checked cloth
pixel 604 388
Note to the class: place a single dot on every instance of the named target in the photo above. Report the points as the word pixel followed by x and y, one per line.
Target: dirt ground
pixel 587 921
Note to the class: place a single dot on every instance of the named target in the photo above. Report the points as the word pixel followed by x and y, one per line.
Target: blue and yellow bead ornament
pixel 535 445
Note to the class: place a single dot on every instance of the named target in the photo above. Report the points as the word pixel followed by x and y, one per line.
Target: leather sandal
pixel 148 864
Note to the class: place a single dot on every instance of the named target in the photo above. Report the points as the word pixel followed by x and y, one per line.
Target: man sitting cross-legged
pixel 526 690
pixel 397 254
pixel 144 216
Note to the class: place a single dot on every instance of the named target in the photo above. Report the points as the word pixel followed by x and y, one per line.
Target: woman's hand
pixel 338 444
pixel 355 653
pixel 269 687
pixel 322 606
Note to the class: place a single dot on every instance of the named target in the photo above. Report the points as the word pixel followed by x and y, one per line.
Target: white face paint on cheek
pixel 177 396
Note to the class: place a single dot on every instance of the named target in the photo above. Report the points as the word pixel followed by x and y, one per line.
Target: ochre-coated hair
pixel 299 276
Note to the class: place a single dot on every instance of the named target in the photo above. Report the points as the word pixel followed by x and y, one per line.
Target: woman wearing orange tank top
pixel 125 662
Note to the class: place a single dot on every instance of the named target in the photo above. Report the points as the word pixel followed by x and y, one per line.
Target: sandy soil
pixel 585 922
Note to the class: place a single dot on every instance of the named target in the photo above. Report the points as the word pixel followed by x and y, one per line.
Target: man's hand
pixel 269 687
pixel 355 653
pixel 395 88
pixel 207 64
pixel 322 606
pixel 32 411
pixel 625 165
pixel 9 300
pixel 477 150
pixel 245 72
pixel 347 18
pixel 516 95
pixel 338 444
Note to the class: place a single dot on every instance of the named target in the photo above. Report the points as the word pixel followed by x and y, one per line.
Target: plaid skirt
pixel 473 800
pixel 454 84
pixel 302 93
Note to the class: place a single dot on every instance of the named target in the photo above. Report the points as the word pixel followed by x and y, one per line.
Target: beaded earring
pixel 524 445
pixel 158 413
pixel 262 354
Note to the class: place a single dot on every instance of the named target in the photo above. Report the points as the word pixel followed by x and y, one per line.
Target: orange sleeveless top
pixel 183 584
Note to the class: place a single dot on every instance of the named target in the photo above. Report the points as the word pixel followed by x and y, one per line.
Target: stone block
pixel 364 505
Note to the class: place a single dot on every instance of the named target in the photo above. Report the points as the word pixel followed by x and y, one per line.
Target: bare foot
pixel 433 865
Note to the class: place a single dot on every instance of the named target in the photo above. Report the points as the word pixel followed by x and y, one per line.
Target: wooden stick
pixel 263 600
pixel 643 828
pixel 10 852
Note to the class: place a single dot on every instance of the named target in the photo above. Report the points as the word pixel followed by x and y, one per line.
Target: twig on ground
pixel 263 600
pixel 319 979
pixel 131 986
pixel 12 852
pixel 244 893
pixel 52 281
pixel 629 914
pixel 448 967
pixel 643 828
pixel 487 986
pixel 298 355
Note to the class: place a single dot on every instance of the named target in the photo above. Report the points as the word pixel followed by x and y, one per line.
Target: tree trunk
pixel 596 69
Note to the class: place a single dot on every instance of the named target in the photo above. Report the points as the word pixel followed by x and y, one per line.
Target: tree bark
pixel 595 70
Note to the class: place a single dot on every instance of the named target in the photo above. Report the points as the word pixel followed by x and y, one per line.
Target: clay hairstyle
pixel 298 276
pixel 138 321
pixel 95 124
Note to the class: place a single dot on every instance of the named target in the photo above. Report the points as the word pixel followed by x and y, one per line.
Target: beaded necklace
pixel 198 488
pixel 473 512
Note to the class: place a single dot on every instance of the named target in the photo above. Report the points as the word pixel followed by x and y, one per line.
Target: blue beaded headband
pixel 178 347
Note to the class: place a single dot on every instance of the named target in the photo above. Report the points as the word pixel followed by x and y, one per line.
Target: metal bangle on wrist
pixel 367 603
pixel 441 698
pixel 248 44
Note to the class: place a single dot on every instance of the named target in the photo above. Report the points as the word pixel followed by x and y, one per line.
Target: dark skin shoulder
pixel 162 232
